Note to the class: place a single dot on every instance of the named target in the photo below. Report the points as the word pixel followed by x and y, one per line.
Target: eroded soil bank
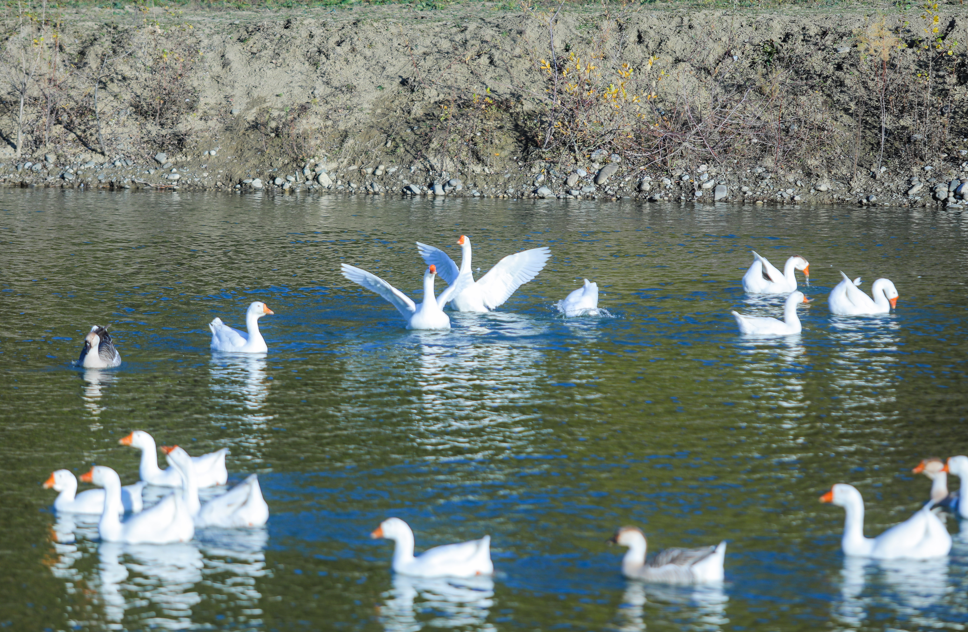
pixel 660 103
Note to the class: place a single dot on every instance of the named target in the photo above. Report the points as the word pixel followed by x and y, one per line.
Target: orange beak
pixel 127 440
pixel 49 482
pixel 806 271
pixel 805 299
pixel 919 468
pixel 88 477
pixel 828 497
pixel 168 448
pixel 266 310
pixel 378 533
pixel 461 240
pixel 945 468
pixel 433 269
pixel 894 302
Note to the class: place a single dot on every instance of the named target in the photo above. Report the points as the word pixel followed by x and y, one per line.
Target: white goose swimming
pixel 921 536
pixel 494 288
pixel 465 559
pixel 99 351
pixel 228 340
pixel 210 468
pixel 934 469
pixel 672 566
pixel 167 521
pixel 771 327
pixel 764 278
pixel 241 506
pixel 846 299
pixel 581 302
pixel 90 501
pixel 426 315
pixel 958 465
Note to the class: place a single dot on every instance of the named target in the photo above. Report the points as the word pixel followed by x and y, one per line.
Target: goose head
pixel 101 476
pixel 887 286
pixel 258 309
pixel 796 298
pixel 930 467
pixel 464 242
pixel 842 495
pixel 60 480
pixel 628 536
pixel 92 341
pixel 392 529
pixel 957 465
pixel 801 264
pixel 138 439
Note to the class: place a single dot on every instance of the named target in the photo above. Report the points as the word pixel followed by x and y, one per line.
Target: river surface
pixel 546 433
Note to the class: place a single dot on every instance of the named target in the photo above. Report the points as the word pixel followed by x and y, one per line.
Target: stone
pixel 411 189
pixel 606 172
pixel 941 194
pixel 708 184
pixel 645 185
pixel 962 190
pixel 167 165
pixel 68 176
pixel 598 154
pixel 173 176
pixel 455 184
pixel 914 190
pixel 572 180
pixel 49 157
pixel 823 187
pixel 380 170
pixel 581 172
pixel 954 184
pixel 290 178
pixel 438 189
pixel 666 182
pixel 161 158
pixel 615 158
pixel 324 180
pixel 539 178
pixel 702 168
pixel 37 167
pixel 544 192
pixel 685 177
pixel 720 192
pixel 574 192
pixel 278 182
pixel 698 194
pixel 588 188
pixel 235 111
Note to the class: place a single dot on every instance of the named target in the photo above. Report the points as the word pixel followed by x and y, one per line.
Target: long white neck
pixel 252 326
pixel 429 297
pixel 790 316
pixel 186 467
pixel 109 528
pixel 635 557
pixel 67 494
pixel 465 258
pixel 939 487
pixel 854 542
pixel 403 548
pixel 149 461
pixel 789 271
pixel 879 294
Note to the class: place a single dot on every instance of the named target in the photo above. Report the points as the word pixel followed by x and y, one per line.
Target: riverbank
pixel 659 103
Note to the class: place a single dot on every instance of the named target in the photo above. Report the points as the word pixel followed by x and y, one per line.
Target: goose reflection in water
pixel 864 353
pixel 240 379
pixel 772 372
pixel 415 602
pixel 95 381
pixel 909 587
pixel 703 606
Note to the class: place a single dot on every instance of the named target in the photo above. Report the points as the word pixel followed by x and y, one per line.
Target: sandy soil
pixel 389 100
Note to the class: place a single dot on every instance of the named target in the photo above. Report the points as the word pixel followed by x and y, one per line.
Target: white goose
pixel 209 468
pixel 90 501
pixel 771 327
pixel 672 566
pixel 494 288
pixel 958 465
pixel 241 506
pixel 846 299
pixel 764 278
pixel 163 523
pixel 228 340
pixel 426 315
pixel 581 302
pixel 104 355
pixel 465 559
pixel 934 469
pixel 921 536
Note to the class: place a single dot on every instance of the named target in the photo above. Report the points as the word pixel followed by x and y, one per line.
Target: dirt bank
pixel 662 104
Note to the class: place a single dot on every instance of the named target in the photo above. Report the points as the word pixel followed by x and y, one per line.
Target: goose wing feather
pixel 510 273
pixel 224 337
pixel 370 281
pixel 446 268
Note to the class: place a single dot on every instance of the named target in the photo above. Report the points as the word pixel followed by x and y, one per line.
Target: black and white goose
pixel 99 351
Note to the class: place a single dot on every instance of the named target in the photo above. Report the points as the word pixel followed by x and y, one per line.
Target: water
pixel 544 432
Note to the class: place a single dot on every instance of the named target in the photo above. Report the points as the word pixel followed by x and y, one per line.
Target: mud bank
pixel 658 104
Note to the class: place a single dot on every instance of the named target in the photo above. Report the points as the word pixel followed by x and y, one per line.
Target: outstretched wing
pixel 374 283
pixel 446 268
pixel 510 273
